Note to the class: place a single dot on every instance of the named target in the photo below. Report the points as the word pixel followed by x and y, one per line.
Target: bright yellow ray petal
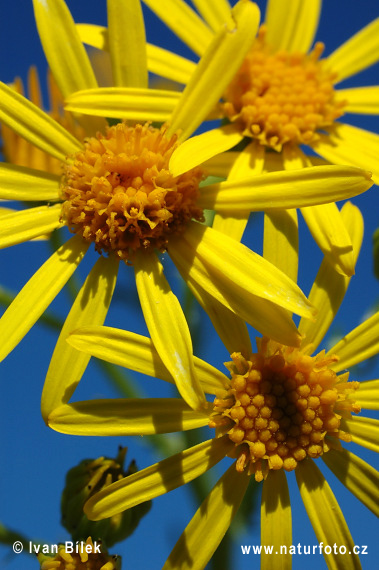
pixel 292 26
pixel 359 345
pixel 215 13
pixel 121 417
pixel 350 145
pixel 208 526
pixel 243 270
pixel 358 476
pixel 361 100
pixel 38 293
pixel 368 395
pixel 168 327
pixel 93 35
pixel 168 64
pixel 325 515
pixel 231 329
pixel 157 479
pixel 183 21
pixel 89 308
pixel 64 51
pixel 358 53
pixel 32 124
pixel 263 315
pixel 281 241
pixel 225 52
pixel 248 162
pixel 28 224
pixel 220 164
pixel 159 61
pixel 26 184
pixel 124 103
pixel 127 43
pixel 196 150
pixel 287 189
pixel 329 287
pixel 138 353
pixel 276 519
pixel 326 225
pixel 364 431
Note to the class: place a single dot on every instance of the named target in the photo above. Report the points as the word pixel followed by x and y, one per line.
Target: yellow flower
pixel 281 409
pixel 282 96
pixel 118 192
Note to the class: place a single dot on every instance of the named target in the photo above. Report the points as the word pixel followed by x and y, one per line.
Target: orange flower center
pixel 120 194
pixel 281 405
pixel 281 97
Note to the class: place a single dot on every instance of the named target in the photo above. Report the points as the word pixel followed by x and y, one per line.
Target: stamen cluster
pixel 281 97
pixel 119 193
pixel 281 405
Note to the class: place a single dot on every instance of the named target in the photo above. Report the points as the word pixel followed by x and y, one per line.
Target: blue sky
pixel 35 458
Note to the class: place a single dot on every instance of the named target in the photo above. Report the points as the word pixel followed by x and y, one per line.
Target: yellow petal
pixel 215 12
pixel 361 100
pixel 127 43
pixel 328 230
pixel 38 293
pixel 276 519
pixel 27 184
pixel 292 26
pixel 183 21
pixel 359 345
pixel 64 51
pixel 90 308
pixel 240 269
pixel 225 52
pixel 159 61
pixel 350 145
pixel 368 395
pixel 221 164
pixel 263 315
pixel 121 417
pixel 168 64
pixel 329 287
pixel 231 329
pixel 157 479
pixel 168 327
pixel 325 515
pixel 197 149
pixel 281 241
pixel 25 225
pixel 138 353
pixel 124 103
pixel 34 125
pixel 287 189
pixel 208 526
pixel 358 476
pixel 358 53
pixel 364 431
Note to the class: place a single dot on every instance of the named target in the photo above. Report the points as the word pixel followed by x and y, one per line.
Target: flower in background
pixel 282 97
pixel 118 193
pixel 280 411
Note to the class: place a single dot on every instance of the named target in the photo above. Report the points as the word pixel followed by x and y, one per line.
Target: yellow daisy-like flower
pixel 283 96
pixel 117 192
pixel 280 410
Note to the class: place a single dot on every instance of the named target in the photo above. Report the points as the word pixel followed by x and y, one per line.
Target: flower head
pixel 88 555
pixel 284 96
pixel 282 409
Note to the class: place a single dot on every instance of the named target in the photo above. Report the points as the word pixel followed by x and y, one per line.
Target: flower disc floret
pixel 119 193
pixel 281 97
pixel 281 405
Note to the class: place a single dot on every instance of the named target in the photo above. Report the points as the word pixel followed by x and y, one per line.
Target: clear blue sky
pixel 35 458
